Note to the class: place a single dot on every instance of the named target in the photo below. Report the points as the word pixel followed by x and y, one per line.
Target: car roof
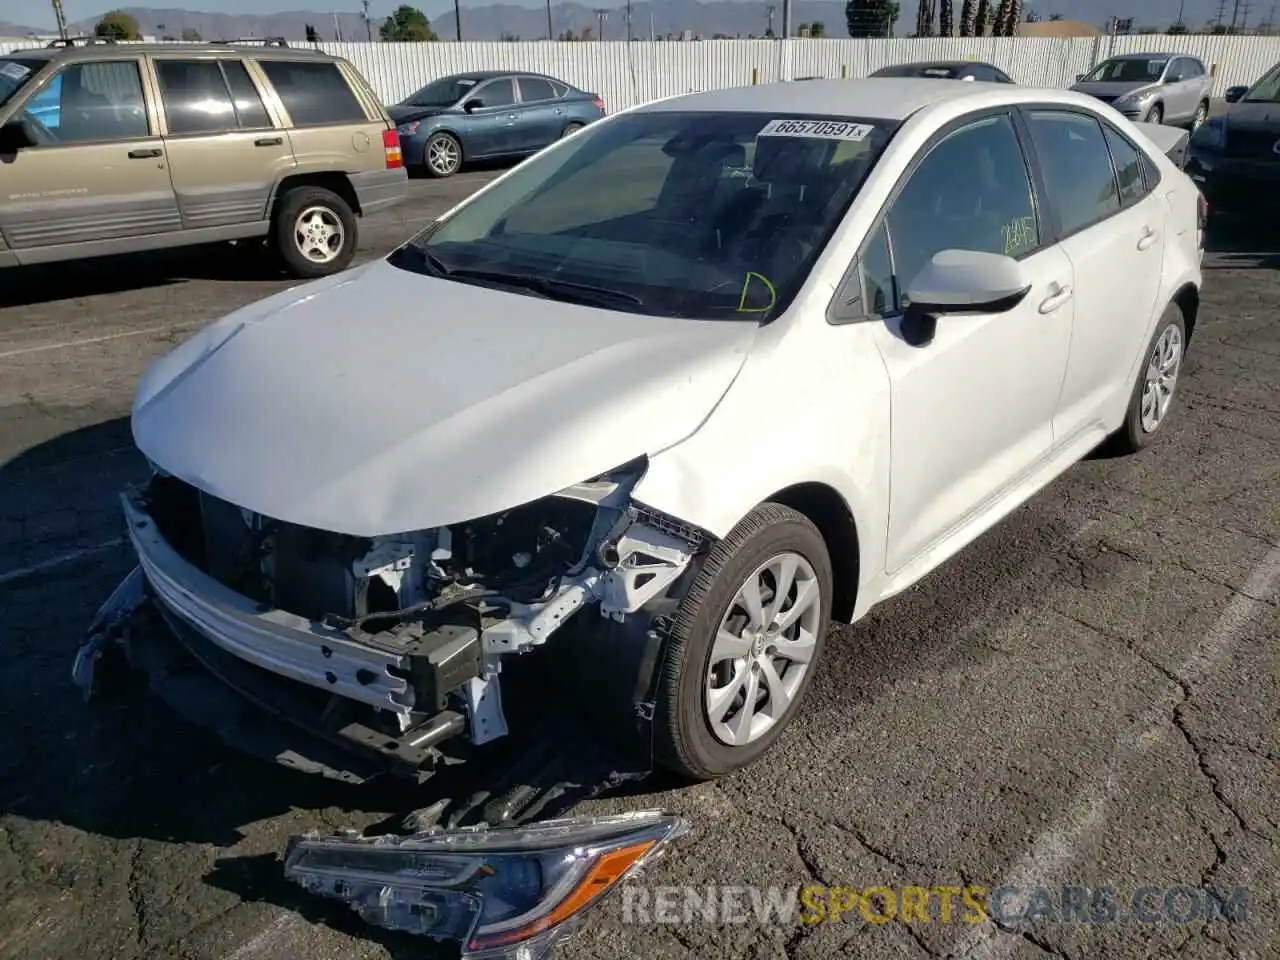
pixel 491 74
pixel 1156 55
pixel 113 51
pixel 936 64
pixel 874 98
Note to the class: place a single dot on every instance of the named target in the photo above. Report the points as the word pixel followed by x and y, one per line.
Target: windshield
pixel 15 74
pixel 1266 90
pixel 442 93
pixel 1140 70
pixel 699 215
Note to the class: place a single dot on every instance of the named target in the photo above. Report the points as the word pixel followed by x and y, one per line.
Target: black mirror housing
pixel 13 137
pixel 1235 94
pixel 473 104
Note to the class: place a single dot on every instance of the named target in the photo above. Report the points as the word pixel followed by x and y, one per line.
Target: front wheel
pixel 1155 114
pixel 443 155
pixel 744 645
pixel 1201 115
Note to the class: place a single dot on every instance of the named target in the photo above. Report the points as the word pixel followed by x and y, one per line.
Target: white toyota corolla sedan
pixel 681 390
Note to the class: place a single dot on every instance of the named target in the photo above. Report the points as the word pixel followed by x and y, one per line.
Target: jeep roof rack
pixel 265 41
pixel 72 41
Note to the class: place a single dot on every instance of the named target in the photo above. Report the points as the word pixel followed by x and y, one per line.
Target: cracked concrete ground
pixel 1087 696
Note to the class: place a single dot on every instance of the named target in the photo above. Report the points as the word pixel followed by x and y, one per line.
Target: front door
pixel 490 128
pixel 96 175
pixel 972 410
pixel 1113 226
pixel 225 153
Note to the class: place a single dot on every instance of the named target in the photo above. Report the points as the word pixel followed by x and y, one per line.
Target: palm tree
pixel 924 19
pixel 968 18
pixel 944 18
pixel 982 19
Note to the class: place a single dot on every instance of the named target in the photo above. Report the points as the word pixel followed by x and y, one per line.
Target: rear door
pixel 225 152
pixel 327 125
pixel 541 116
pixel 1111 223
pixel 99 176
pixel 1181 89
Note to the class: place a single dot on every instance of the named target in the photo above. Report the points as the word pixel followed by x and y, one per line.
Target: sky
pixel 40 13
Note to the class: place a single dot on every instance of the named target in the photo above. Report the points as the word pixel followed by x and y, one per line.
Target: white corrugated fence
pixel 625 74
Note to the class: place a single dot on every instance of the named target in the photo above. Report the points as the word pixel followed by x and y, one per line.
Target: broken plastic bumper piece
pixel 507 892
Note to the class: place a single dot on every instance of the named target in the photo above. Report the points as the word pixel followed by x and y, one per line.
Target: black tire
pixel 1200 116
pixel 293 205
pixel 1133 436
pixel 440 171
pixel 573 126
pixel 683 740
pixel 1155 114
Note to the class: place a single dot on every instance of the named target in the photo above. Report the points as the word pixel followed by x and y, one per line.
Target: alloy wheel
pixel 1161 378
pixel 319 234
pixel 763 648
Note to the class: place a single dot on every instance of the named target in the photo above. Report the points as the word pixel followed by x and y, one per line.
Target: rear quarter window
pixel 313 93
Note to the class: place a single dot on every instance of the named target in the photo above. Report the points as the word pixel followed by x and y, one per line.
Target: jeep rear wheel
pixel 315 232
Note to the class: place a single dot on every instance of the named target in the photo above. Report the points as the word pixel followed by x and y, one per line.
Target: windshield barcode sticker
pixel 818 129
pixel 14 71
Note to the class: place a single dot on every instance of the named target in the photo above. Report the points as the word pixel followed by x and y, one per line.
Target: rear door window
pixel 533 89
pixel 1077 167
pixel 208 96
pixel 314 93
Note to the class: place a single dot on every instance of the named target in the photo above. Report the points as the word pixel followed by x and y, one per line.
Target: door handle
pixel 268 142
pixel 145 153
pixel 1056 299
pixel 511 116
pixel 1148 237
pixel 559 110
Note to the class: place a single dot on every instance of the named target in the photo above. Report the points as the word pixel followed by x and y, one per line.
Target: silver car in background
pixel 1152 87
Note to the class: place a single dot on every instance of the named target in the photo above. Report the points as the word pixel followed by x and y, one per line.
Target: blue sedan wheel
pixel 443 155
pixel 572 127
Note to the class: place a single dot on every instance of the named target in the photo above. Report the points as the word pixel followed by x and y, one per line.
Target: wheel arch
pixel 829 512
pixel 332 180
pixel 1187 299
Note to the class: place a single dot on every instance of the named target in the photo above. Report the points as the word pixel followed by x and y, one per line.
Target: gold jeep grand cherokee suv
pixel 114 148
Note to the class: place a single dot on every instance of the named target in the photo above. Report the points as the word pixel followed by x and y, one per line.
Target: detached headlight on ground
pixel 509 892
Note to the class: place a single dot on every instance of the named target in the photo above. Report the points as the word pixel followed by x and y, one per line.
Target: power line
pixel 368 24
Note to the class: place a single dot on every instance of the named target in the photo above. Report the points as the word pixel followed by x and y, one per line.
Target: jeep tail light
pixel 391 144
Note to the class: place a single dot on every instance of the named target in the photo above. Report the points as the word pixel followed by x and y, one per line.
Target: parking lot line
pixel 45 565
pixel 23 351
pixel 1056 848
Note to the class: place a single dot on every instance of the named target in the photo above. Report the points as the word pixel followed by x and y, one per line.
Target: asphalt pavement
pixel 1087 696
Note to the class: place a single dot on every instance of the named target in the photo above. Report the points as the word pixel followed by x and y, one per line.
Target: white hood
pixel 380 401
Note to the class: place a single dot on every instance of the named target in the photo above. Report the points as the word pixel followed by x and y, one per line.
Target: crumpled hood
pixel 380 401
pixel 405 112
pixel 1113 90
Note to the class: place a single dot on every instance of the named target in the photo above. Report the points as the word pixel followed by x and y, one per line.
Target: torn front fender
pixel 506 892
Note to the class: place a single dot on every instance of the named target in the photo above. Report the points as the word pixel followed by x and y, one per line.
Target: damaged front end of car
pixel 391 648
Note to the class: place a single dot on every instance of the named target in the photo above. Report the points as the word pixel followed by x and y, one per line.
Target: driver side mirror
pixel 1235 94
pixel 1079 77
pixel 473 104
pixel 961 281
pixel 13 137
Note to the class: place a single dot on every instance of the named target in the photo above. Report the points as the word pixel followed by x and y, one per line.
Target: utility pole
pixel 1235 14
pixel 550 34
pixel 628 21
pixel 60 18
pixel 768 12
pixel 1244 15
pixel 457 20
pixel 1222 12
pixel 786 18
pixel 601 16
pixel 368 24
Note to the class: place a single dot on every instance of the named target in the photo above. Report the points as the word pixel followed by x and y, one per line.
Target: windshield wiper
pixel 550 289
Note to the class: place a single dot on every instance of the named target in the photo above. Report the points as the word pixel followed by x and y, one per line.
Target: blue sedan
pixel 482 116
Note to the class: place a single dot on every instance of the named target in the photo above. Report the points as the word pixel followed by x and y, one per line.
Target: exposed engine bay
pixel 403 637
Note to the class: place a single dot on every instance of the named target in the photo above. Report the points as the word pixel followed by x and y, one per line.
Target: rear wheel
pixel 315 232
pixel 744 645
pixel 570 128
pixel 1152 397
pixel 443 155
